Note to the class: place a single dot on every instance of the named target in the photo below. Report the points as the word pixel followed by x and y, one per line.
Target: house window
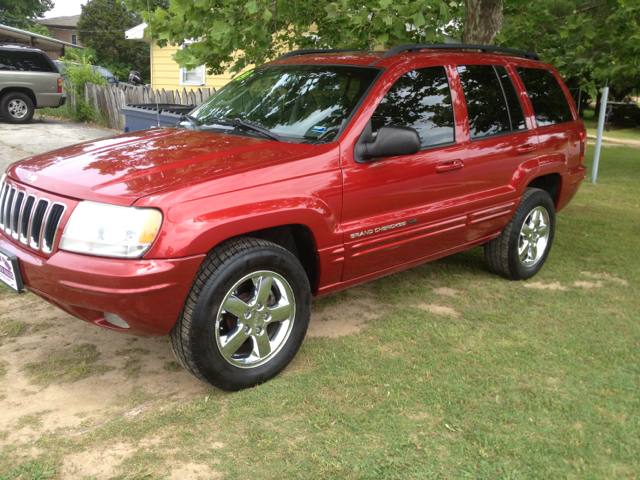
pixel 193 77
pixel 196 76
pixel 74 38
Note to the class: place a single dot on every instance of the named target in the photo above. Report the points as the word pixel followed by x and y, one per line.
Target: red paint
pixel 211 187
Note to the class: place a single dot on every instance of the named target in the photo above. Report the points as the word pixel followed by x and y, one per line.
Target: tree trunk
pixel 484 19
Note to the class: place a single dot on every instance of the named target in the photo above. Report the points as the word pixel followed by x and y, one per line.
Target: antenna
pixel 152 64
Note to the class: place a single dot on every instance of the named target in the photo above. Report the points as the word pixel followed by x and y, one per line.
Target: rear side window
pixel 516 114
pixel 547 98
pixel 24 61
pixel 486 105
pixel 420 99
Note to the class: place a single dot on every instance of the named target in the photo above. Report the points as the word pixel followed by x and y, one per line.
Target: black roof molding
pixel 416 47
pixel 296 53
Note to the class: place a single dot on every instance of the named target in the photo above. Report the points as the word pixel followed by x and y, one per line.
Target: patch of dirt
pixel 588 285
pixel 446 291
pixel 545 286
pixel 192 471
pixel 438 309
pixel 606 276
pixel 345 317
pixel 91 399
pixel 98 463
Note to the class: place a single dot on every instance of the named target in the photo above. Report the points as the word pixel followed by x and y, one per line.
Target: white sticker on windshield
pixel 318 129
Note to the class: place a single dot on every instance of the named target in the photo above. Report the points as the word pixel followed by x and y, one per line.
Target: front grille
pixel 31 220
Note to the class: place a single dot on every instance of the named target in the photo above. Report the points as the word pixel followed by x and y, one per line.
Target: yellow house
pixel 165 72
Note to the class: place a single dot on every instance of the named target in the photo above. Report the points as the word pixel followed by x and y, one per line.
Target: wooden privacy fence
pixel 108 101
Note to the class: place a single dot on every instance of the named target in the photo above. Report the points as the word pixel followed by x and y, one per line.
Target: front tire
pixel 520 251
pixel 16 107
pixel 246 315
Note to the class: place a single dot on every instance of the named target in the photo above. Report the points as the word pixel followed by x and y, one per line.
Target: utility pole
pixel 601 117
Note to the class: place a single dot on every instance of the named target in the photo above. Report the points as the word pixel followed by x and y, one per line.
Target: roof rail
pixel 415 47
pixel 296 53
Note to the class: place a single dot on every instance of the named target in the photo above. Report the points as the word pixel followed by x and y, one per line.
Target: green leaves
pixel 581 38
pixel 234 33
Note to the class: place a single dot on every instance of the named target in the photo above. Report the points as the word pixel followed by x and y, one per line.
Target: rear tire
pixel 520 251
pixel 246 315
pixel 16 107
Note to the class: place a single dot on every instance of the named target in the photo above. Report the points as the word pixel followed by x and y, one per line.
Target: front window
pixel 301 103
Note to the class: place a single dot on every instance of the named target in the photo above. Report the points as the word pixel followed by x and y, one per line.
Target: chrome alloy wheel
pixel 255 319
pixel 18 108
pixel 534 237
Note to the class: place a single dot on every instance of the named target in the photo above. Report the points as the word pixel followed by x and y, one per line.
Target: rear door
pixel 502 146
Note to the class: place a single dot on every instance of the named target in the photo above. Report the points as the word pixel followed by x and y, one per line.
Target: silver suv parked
pixel 28 80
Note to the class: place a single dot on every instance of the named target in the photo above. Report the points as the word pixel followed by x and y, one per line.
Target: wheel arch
pixel 26 91
pixel 297 239
pixel 550 183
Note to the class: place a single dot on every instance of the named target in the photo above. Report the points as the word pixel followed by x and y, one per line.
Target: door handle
pixel 526 148
pixel 449 166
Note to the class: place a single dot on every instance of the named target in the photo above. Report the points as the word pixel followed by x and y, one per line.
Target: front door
pixel 400 209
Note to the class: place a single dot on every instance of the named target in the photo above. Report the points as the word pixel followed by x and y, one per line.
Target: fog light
pixel 115 320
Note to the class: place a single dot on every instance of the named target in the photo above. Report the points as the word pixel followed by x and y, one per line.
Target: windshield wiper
pixel 191 120
pixel 237 122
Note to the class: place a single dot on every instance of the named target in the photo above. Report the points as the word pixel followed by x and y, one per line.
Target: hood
pixel 119 170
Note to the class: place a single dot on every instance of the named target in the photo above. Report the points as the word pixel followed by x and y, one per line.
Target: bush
pixel 78 70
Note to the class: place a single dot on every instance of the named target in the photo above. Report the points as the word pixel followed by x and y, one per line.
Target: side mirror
pixel 391 141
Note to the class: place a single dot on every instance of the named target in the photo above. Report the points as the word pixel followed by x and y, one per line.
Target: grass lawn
pixel 537 379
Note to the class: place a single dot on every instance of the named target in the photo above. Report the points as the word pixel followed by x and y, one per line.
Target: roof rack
pixel 296 53
pixel 416 47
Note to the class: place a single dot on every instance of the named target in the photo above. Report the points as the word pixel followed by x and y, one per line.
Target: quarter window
pixel 547 98
pixel 420 99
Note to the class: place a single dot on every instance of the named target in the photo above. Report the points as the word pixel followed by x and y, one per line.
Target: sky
pixel 65 8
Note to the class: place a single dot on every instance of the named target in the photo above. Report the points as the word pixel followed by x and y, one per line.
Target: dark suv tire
pixel 246 315
pixel 523 246
pixel 16 107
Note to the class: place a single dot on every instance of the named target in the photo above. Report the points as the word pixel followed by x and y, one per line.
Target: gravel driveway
pixel 42 135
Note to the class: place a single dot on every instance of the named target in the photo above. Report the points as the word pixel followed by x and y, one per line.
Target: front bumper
pixel 147 294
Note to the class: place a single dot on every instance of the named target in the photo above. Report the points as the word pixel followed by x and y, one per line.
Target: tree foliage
pixel 101 27
pixel 243 32
pixel 589 41
pixel 22 13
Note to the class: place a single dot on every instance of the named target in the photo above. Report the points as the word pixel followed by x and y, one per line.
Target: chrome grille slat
pixel 25 217
pixel 8 209
pixel 15 214
pixel 37 220
pixel 51 223
pixel 31 220
pixel 5 190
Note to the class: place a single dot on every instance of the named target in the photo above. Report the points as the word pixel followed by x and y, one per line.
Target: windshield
pixel 304 103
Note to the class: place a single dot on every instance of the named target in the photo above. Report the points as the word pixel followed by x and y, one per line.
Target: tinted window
pixel 486 106
pixel 24 61
pixel 547 98
pixel 420 99
pixel 516 115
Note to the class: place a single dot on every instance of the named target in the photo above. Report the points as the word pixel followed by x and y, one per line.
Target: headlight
pixel 110 231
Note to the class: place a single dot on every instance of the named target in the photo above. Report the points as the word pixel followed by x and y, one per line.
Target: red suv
pixel 310 174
